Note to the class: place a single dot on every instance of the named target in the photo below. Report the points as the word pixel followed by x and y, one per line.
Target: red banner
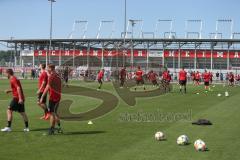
pixel 140 53
pixel 92 53
pixel 201 54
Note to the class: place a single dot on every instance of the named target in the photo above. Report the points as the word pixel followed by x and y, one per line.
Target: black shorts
pixel 44 98
pixel 231 80
pixel 100 81
pixel 165 81
pixel 206 83
pixel 182 82
pixel 53 106
pixel 15 106
pixel 139 81
pixel 66 79
pixel 154 82
pixel 122 79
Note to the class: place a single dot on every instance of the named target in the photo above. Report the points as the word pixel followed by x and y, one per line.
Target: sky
pixel 24 19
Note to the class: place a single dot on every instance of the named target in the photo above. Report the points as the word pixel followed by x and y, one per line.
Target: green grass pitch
pixel 111 137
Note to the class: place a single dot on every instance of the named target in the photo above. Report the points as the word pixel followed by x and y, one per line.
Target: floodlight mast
pixel 133 22
pixel 50 38
pixel 100 27
pixel 235 33
pixel 173 35
pixel 199 33
pixel 213 34
pixel 125 19
pixel 148 33
pixel 85 23
pixel 232 23
pixel 170 28
pixel 200 28
pixel 111 35
pixel 229 21
pixel 125 31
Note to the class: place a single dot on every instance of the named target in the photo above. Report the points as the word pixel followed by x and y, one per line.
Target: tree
pixel 3 62
pixel 7 55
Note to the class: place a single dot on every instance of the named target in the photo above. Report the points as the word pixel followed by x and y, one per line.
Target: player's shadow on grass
pixel 69 133
pixel 207 150
pixel 188 144
pixel 83 132
pixel 39 129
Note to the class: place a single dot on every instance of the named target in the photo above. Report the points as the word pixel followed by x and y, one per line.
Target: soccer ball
pixel 199 145
pixel 182 140
pixel 159 136
pixel 219 95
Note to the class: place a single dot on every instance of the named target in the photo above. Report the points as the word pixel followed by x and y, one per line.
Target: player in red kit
pixel 231 79
pixel 166 79
pixel 152 76
pixel 54 87
pixel 100 78
pixel 182 80
pixel 206 78
pixel 42 83
pixel 139 78
pixel 17 103
pixel 193 77
pixel 169 77
pixel 123 74
pixel 197 78
pixel 165 75
pixel 211 77
pixel 238 78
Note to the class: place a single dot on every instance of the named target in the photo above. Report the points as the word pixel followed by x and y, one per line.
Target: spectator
pixel 33 73
pixel 1 71
pixel 217 75
pixel 23 73
pixel 221 77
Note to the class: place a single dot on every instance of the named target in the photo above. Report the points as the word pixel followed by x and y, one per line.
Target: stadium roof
pixel 31 41
pixel 127 43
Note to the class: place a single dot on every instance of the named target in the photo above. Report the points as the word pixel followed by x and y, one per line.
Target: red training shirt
pixel 182 75
pixel 139 74
pixel 43 77
pixel 152 76
pixel 197 76
pixel 165 75
pixel 15 83
pixel 55 90
pixel 123 74
pixel 206 77
pixel 100 75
